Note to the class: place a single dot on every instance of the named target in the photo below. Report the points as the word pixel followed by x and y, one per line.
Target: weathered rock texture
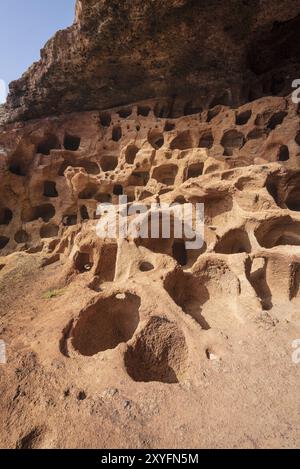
pixel 142 343
pixel 194 52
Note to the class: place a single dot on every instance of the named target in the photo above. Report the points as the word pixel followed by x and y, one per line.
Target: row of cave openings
pixel 284 191
pixel 232 140
pixel 18 164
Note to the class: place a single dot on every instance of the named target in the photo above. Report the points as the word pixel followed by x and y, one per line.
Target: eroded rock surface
pixel 194 53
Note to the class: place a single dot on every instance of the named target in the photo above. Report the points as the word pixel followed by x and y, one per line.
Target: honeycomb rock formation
pixel 137 342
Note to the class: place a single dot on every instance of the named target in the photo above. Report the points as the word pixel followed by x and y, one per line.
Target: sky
pixel 26 25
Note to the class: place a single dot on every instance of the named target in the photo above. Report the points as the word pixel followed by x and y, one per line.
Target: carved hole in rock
pixel 156 139
pixel 297 138
pixel 146 267
pixel 231 140
pixel 159 354
pixel 179 252
pixel 17 168
pixel 130 154
pixel 165 174
pixel 213 113
pixel 172 245
pixel 243 117
pixel 195 170
pixel 124 113
pixel 292 200
pixel 169 126
pixel 280 232
pixel 283 153
pixel 262 118
pixel 200 294
pixel 50 189
pixel 143 111
pixel 272 187
pixel 3 241
pixel 83 262
pixel 71 142
pixel 139 178
pixel 183 141
pixel 256 133
pixel 49 231
pixel 106 324
pixel 50 142
pixel 117 133
pixel 46 212
pixel 105 119
pixel 276 120
pixel 118 189
pixel 161 111
pixel 84 213
pixel 206 140
pixel 108 162
pixel 21 237
pixel 106 267
pixel 70 220
pixel 234 242
pixel 6 216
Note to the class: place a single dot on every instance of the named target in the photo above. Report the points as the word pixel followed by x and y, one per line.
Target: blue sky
pixel 26 25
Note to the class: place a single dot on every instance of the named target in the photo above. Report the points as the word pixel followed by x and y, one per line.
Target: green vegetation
pixel 48 295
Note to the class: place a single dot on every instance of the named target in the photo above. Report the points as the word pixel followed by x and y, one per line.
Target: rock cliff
pixel 196 53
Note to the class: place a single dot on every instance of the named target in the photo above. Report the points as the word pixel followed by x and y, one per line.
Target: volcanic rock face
pixel 137 342
pixel 195 53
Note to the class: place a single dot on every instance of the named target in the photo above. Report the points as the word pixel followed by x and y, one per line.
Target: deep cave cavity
pixel 106 324
pixel 71 142
pixel 45 212
pixel 6 216
pixel 183 141
pixel 159 354
pixel 130 153
pixel 50 189
pixel 206 140
pixel 50 142
pixel 232 140
pixel 156 139
pixel 165 174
